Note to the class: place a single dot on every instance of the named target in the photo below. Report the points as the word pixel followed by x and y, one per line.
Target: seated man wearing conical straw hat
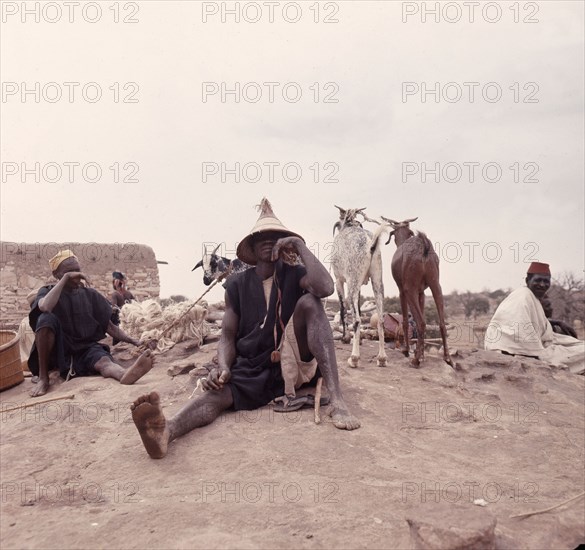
pixel 69 320
pixel 273 313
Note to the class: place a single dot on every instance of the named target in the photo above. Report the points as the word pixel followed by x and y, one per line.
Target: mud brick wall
pixel 25 267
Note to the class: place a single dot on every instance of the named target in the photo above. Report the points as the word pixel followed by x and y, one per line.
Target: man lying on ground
pixel 274 323
pixel 69 320
pixel 520 327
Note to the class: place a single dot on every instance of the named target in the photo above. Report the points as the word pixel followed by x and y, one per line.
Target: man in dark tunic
pixel 261 304
pixel 69 320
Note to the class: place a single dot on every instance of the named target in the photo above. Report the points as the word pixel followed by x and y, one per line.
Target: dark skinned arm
pixel 115 299
pixel 48 302
pixel 565 328
pixel 117 333
pixel 226 349
pixel 316 281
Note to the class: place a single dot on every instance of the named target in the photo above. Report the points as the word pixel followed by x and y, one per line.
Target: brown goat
pixel 415 267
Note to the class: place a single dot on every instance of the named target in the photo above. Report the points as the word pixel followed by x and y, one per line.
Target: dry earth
pixel 75 475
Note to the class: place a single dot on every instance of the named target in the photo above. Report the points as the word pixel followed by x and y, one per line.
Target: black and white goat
pixel 356 259
pixel 215 266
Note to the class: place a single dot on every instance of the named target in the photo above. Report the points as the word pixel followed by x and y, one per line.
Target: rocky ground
pixel 505 433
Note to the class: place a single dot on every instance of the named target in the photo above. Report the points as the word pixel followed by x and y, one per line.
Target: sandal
pixel 288 403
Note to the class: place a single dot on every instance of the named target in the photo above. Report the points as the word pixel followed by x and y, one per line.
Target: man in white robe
pixel 520 327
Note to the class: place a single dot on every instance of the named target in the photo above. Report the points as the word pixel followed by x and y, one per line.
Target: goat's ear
pixel 390 237
pixel 199 264
pixel 336 226
pixel 216 249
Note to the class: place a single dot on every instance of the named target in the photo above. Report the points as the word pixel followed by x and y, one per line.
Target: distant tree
pixel 474 304
pixel 497 294
pixel 567 296
pixel 392 305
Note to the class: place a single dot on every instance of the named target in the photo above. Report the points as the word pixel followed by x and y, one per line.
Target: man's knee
pixel 310 316
pixel 308 303
pixel 47 322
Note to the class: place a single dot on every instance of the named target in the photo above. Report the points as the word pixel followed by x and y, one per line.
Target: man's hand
pixel 286 247
pixel 565 328
pixel 149 343
pixel 216 378
pixel 77 277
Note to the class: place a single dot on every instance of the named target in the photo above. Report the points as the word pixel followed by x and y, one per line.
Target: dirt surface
pixel 75 475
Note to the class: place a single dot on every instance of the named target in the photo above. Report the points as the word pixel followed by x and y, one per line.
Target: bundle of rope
pixel 170 325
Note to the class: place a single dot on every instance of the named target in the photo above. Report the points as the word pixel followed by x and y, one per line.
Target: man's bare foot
pixel 151 424
pixel 343 419
pixel 41 388
pixel 142 365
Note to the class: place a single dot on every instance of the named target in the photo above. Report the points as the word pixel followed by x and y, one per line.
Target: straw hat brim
pixel 245 250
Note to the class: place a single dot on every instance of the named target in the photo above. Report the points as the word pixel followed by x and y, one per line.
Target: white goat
pixel 357 258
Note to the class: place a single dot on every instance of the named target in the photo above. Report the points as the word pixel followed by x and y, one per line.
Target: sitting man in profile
pixel 69 319
pixel 520 327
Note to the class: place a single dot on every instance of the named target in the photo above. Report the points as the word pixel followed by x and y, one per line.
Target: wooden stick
pixel 548 509
pixel 318 401
pixel 40 402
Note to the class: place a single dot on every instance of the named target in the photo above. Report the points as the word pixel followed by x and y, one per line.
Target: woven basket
pixel 10 364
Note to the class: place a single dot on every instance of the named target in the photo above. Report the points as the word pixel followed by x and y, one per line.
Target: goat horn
pixel 199 264
pixel 410 220
pixel 391 222
pixel 216 249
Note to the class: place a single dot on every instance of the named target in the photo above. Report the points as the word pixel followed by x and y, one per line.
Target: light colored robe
pixel 520 327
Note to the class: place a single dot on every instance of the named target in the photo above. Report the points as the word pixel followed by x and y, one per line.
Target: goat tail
pixel 427 245
pixel 383 228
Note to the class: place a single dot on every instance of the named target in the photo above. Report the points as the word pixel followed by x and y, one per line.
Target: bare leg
pixel 157 433
pixel 45 342
pixel 109 369
pixel 314 339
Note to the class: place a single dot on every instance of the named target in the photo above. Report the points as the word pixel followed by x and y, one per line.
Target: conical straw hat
pixel 266 222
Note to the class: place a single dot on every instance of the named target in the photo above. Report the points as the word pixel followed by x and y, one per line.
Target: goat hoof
pixel 381 361
pixel 415 363
pixel 353 361
pixel 346 339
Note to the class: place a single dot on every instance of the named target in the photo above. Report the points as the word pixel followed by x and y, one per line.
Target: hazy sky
pixel 374 62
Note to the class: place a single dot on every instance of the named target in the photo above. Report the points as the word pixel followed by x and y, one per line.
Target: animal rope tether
pixel 148 319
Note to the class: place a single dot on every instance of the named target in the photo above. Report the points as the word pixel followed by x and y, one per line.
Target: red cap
pixel 537 267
